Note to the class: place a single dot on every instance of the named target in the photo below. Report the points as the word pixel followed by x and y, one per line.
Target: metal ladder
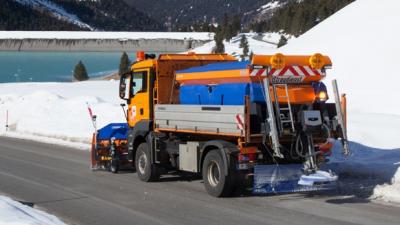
pixel 279 110
pixel 273 131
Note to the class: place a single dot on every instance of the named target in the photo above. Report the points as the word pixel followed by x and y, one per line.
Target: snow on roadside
pixel 374 169
pixel 389 192
pixel 13 213
pixel 57 112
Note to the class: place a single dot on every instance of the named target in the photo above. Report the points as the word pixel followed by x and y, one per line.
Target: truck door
pixel 140 106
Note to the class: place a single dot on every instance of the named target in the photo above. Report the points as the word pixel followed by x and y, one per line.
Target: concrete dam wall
pixel 149 45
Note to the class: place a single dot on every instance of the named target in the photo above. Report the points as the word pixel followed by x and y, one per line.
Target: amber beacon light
pixel 317 61
pixel 278 61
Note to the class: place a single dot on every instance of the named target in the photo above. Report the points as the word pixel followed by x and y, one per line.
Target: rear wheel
pixel 215 181
pixel 114 166
pixel 146 170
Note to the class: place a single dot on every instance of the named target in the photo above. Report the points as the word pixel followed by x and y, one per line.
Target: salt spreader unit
pixel 266 122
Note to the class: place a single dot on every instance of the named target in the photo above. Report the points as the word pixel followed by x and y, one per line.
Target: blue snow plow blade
pixel 279 179
pixel 116 130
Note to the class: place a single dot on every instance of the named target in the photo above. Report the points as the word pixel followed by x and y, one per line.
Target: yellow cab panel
pixel 141 91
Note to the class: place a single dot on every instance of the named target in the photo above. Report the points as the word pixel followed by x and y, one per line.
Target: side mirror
pixel 124 86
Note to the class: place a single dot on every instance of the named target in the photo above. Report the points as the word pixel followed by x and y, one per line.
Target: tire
pixel 114 166
pixel 215 182
pixel 145 170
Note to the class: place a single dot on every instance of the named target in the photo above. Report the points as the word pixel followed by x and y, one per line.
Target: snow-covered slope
pixel 364 50
pixel 14 213
pixel 57 11
pixel 258 44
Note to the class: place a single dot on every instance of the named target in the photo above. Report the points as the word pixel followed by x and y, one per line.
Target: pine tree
pixel 80 73
pixel 228 32
pixel 245 45
pixel 219 42
pixel 124 63
pixel 282 41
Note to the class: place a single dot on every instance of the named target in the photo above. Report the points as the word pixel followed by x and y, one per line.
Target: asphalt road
pixel 58 179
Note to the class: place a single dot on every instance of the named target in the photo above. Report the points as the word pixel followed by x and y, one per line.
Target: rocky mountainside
pixel 186 12
pixel 109 15
pixel 286 16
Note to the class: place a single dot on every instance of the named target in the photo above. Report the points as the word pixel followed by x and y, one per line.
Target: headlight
pixel 322 96
pixel 320 91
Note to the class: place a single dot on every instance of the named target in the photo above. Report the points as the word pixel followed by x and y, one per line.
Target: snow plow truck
pixel 265 123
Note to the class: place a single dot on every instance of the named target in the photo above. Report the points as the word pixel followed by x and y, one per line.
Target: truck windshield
pixel 138 82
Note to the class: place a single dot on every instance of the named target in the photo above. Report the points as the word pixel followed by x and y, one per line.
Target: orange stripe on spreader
pixel 181 77
pixel 247 75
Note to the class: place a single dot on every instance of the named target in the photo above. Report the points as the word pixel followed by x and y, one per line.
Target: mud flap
pixel 276 179
pixel 93 154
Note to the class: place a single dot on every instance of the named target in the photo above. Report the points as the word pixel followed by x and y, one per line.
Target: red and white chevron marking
pixel 258 72
pixel 295 71
pixel 240 121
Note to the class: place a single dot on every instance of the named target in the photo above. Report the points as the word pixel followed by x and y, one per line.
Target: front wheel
pixel 216 182
pixel 145 170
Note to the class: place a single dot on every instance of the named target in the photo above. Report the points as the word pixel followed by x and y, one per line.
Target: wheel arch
pixel 225 148
pixel 137 135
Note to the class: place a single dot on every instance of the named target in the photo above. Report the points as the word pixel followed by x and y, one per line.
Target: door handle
pixel 141 111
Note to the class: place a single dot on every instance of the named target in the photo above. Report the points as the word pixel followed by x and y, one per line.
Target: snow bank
pixel 368 172
pixel 13 213
pixel 57 112
pixel 123 36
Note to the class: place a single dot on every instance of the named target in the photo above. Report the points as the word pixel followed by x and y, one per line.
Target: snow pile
pixel 57 11
pixel 57 112
pixel 372 169
pixel 390 191
pixel 12 212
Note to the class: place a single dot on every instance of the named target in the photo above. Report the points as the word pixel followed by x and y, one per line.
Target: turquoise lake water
pixel 55 66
